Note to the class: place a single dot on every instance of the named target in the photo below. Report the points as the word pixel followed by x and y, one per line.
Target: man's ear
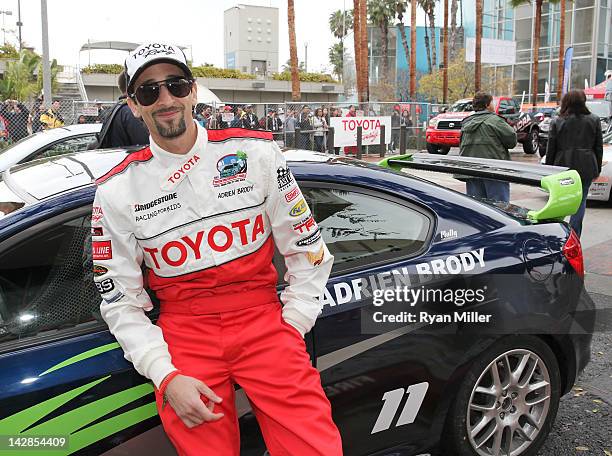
pixel 194 93
pixel 134 108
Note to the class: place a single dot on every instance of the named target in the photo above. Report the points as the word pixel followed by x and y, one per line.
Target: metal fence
pixel 292 124
pixel 300 125
pixel 19 120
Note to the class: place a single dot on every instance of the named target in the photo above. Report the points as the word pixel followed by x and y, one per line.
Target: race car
pixel 48 143
pixel 444 130
pixel 448 323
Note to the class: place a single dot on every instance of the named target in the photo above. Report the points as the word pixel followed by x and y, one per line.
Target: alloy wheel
pixel 509 404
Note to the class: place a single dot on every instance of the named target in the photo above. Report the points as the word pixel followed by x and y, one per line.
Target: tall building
pixel 588 29
pixel 250 39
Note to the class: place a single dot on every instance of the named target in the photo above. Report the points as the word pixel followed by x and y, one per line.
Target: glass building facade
pixel 588 28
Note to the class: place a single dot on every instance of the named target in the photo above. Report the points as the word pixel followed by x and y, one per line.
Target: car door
pixel 63 374
pixel 373 237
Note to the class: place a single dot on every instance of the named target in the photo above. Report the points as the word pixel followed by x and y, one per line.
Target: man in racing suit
pixel 204 211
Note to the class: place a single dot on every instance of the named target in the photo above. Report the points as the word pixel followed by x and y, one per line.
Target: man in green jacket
pixel 486 135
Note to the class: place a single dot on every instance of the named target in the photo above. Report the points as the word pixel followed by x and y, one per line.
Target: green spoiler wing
pixel 563 185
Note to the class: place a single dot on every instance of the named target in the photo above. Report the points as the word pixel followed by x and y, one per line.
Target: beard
pixel 175 128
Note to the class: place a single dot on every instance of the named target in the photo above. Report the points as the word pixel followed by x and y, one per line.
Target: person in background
pixel 120 127
pixel 238 114
pixel 395 128
pixel 35 113
pixel 326 114
pixel 304 123
pixel 52 117
pixel 575 140
pixel 249 120
pixel 16 115
pixel 351 150
pixel 486 135
pixel 290 128
pixel 82 119
pixel 319 124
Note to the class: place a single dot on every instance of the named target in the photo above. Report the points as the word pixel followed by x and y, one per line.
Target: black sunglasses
pixel 147 94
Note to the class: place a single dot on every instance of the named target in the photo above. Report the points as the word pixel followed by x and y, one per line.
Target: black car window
pixel 362 229
pixel 46 281
pixel 67 147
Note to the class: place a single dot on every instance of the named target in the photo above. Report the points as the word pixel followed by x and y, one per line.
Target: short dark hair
pixel 573 102
pixel 122 82
pixel 481 100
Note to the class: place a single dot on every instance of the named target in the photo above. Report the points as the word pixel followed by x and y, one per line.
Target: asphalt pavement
pixel 584 421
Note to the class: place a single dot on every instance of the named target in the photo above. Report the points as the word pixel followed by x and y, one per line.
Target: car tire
pixel 481 403
pixel 531 145
pixel 438 150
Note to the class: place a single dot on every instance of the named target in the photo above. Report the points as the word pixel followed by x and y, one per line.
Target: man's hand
pixel 183 394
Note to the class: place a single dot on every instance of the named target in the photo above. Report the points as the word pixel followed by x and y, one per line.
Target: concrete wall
pixel 104 87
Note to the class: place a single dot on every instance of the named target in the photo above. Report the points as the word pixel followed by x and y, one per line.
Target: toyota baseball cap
pixel 147 54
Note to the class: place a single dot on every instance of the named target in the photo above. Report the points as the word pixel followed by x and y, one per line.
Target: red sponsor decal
pixel 305 226
pixel 292 194
pixel 96 214
pixel 219 238
pixel 97 231
pixel 102 250
pixel 183 170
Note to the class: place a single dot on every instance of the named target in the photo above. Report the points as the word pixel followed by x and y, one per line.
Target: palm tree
pixel 382 13
pixel 295 77
pixel 427 48
pixel 357 44
pixel 561 52
pixel 536 43
pixel 338 27
pixel 413 50
pixel 477 50
pixel 453 30
pixel 340 22
pixel 428 7
pixel 445 55
pixel 400 9
pixel 363 30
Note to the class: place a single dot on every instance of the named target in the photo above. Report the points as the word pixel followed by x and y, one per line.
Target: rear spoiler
pixel 562 184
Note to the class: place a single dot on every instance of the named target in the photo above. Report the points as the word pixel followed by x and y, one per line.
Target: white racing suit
pixel 205 224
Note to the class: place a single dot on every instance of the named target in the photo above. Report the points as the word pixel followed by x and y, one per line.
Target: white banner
pixel 345 130
pixel 502 52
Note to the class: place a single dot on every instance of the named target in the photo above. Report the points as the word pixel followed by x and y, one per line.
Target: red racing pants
pixel 267 357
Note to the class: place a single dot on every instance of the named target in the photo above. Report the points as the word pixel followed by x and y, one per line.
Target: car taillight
pixel 573 252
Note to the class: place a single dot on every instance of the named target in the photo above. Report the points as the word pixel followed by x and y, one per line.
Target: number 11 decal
pixel 393 399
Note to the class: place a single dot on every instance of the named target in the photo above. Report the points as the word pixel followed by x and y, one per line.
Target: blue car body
pixel 75 382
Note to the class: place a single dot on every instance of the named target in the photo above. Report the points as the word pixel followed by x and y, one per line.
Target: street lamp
pixel 4 14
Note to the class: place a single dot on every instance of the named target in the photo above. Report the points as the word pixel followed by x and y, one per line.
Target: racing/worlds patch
pixel 316 258
pixel 102 250
pixel 299 208
pixel 284 178
pixel 310 239
pixel 96 214
pixel 232 168
pixel 292 194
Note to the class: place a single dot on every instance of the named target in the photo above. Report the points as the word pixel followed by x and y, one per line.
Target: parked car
pixel 601 108
pixel 444 130
pixel 401 388
pixel 49 143
pixel 540 111
pixel 601 185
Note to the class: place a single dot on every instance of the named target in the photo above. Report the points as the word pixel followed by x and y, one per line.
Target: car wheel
pixel 542 148
pixel 532 143
pixel 435 149
pixel 507 402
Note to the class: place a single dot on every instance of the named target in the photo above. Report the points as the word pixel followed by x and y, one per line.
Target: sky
pixel 198 24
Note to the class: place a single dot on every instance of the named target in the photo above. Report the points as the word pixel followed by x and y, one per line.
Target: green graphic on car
pixel 76 423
